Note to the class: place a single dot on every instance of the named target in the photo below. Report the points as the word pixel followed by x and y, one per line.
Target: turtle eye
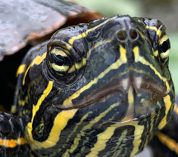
pixel 164 47
pixel 59 61
pixel 61 65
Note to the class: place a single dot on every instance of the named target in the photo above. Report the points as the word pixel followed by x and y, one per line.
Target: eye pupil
pixel 59 61
pixel 62 60
pixel 165 46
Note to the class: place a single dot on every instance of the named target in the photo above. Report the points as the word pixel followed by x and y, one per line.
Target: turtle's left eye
pixel 164 47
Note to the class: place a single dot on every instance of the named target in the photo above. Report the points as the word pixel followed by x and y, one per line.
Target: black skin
pixel 38 77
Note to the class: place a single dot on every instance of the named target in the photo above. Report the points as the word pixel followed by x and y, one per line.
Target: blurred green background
pixel 165 10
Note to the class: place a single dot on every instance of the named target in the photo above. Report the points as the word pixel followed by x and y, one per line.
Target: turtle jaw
pixel 136 91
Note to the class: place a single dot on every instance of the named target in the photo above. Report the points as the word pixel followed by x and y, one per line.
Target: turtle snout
pixel 125 35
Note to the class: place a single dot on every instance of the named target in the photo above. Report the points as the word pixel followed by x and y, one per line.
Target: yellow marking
pixel 62 68
pixel 59 124
pixel 123 57
pixel 89 126
pixel 164 38
pixel 84 34
pixel 72 69
pixel 165 54
pixel 155 53
pixel 21 69
pixel 81 64
pixel 142 60
pixel 36 61
pixel 78 66
pixel 84 60
pixel 37 106
pixel 168 105
pixel 58 52
pixel 12 143
pixel 100 43
pixel 157 30
pixel 103 137
pixel 41 99
pixel 130 109
pixel 130 96
pixel 168 142
pixel 115 65
pixel 137 138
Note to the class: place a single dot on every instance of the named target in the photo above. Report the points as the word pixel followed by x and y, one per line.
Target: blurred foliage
pixel 135 8
pixel 114 7
pixel 174 59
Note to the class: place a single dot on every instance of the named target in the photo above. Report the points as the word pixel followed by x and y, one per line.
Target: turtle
pixel 101 87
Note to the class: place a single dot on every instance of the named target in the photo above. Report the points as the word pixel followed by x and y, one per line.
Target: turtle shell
pixel 24 21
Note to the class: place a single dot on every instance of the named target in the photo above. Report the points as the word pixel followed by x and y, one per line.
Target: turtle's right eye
pixel 59 61
pixel 61 65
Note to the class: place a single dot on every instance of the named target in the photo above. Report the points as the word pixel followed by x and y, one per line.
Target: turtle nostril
pixel 133 34
pixel 122 35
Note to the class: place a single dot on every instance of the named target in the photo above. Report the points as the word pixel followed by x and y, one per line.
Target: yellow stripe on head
pixel 105 136
pixel 84 34
pixel 164 38
pixel 168 105
pixel 21 69
pixel 157 30
pixel 88 126
pixel 36 61
pixel 37 107
pixel 142 60
pixel 60 122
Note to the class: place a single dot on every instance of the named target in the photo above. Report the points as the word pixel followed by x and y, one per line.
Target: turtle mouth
pixel 154 92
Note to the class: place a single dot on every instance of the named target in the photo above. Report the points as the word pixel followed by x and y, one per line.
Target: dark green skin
pixel 99 97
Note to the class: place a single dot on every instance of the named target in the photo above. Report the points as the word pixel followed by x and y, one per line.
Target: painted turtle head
pixel 122 58
pixel 109 79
